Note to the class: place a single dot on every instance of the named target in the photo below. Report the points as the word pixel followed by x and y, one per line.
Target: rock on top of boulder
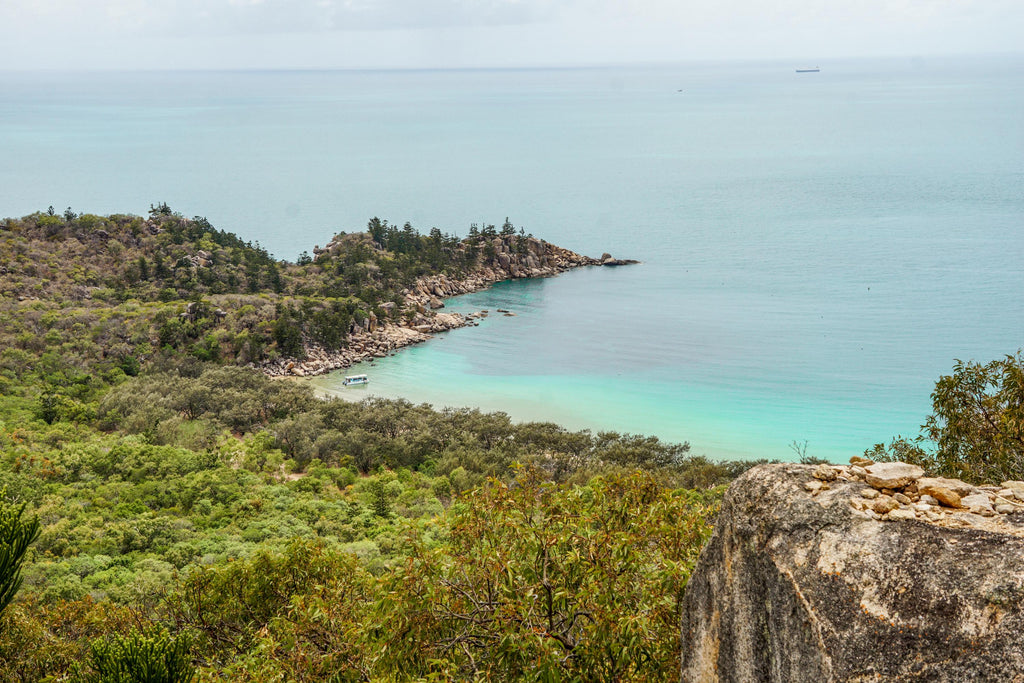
pixel 892 475
pixel 961 488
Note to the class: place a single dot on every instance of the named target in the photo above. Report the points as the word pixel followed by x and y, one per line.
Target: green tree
pixel 48 407
pixel 16 534
pixel 149 657
pixel 539 582
pixel 229 605
pixel 161 209
pixel 287 332
pixel 378 498
pixel 976 429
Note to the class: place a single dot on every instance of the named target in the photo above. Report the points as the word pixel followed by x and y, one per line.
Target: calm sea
pixel 817 248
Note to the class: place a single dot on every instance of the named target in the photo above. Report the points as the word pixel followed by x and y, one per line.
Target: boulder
pixel 961 488
pixel 825 473
pixel 618 262
pixel 902 513
pixel 978 503
pixel 802 587
pixel 884 504
pixel 892 475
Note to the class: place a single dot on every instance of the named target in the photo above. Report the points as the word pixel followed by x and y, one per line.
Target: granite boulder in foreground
pixel 859 573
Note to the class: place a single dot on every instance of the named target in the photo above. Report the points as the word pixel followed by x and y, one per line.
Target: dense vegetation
pixel 106 294
pixel 197 518
pixel 166 515
pixel 192 473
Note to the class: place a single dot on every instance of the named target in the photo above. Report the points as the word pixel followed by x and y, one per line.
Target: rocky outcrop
pixel 868 572
pixel 373 341
pixel 504 257
pixel 507 257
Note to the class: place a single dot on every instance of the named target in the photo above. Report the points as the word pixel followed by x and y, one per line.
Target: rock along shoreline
pixel 376 339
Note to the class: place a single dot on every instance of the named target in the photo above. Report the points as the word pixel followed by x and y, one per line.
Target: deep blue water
pixel 817 248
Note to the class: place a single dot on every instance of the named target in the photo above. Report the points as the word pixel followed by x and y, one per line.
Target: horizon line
pixel 1019 54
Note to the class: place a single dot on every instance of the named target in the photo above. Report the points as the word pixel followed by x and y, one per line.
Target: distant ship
pixel 808 71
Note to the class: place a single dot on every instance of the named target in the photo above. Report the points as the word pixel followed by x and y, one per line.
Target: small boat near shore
pixel 355 380
pixel 809 70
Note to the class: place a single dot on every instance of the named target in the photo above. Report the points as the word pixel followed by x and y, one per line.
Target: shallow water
pixel 574 366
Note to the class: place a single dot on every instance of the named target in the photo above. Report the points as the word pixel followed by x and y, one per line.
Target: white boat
pixel 355 380
pixel 808 70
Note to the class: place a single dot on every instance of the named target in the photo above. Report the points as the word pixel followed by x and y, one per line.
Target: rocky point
pixel 373 338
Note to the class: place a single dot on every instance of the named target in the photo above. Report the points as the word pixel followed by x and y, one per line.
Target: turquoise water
pixel 536 366
pixel 816 248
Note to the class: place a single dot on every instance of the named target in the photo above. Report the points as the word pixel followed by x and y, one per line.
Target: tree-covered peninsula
pixel 181 510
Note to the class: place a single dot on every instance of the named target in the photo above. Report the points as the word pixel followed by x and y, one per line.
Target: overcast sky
pixel 105 34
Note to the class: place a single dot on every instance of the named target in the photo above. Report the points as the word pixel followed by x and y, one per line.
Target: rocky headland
pixel 866 572
pixel 505 257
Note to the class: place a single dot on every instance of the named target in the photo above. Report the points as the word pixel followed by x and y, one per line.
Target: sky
pixel 231 34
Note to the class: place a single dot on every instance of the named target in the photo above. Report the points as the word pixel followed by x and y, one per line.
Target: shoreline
pixel 530 258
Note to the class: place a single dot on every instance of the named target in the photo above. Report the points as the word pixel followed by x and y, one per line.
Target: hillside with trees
pixel 142 285
pixel 87 300
pixel 170 513
pixel 166 506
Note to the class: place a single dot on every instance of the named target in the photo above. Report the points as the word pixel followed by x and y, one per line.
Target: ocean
pixel 816 248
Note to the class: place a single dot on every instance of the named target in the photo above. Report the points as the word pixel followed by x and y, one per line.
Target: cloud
pixel 168 17
pixel 283 16
pixel 412 33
